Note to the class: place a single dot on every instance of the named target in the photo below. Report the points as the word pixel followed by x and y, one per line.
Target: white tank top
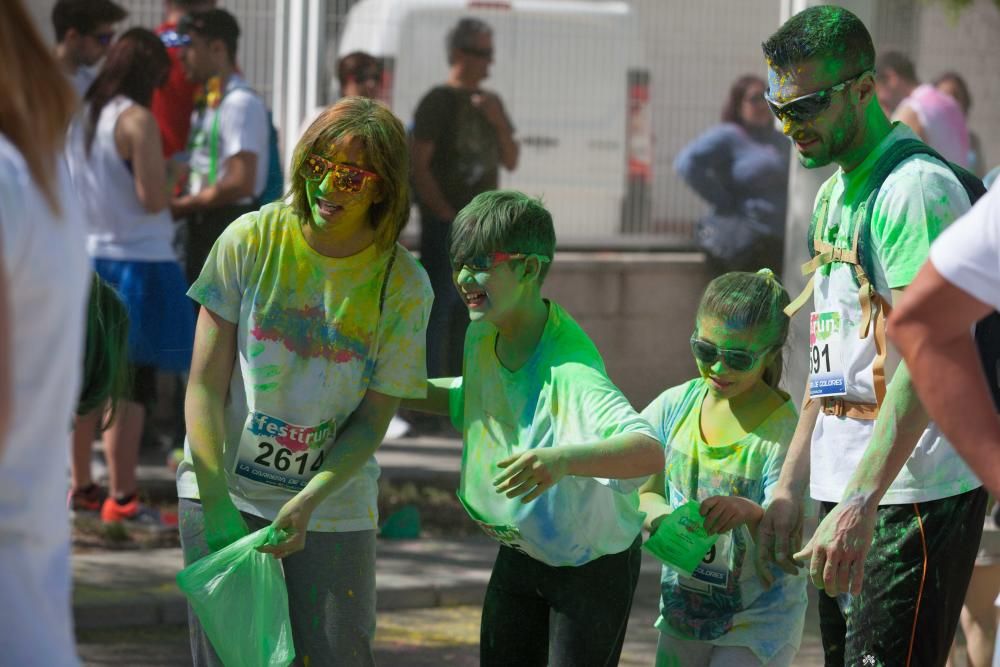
pixel 118 227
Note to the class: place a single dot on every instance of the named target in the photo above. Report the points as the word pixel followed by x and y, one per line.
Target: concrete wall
pixel 639 310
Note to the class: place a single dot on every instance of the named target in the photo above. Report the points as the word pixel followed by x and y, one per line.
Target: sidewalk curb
pixel 95 609
pixel 149 609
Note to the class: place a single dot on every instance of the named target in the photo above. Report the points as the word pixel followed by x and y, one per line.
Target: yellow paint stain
pixel 305 661
pixel 350 593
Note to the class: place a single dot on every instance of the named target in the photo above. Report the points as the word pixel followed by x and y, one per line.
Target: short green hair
pixel 504 221
pixel 823 32
pixel 385 145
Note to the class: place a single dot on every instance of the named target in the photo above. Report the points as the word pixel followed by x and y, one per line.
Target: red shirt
pixel 173 103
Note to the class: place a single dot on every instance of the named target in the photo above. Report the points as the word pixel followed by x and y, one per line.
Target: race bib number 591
pixel 276 453
pixel 826 372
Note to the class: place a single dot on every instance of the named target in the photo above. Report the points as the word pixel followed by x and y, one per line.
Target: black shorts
pixel 916 575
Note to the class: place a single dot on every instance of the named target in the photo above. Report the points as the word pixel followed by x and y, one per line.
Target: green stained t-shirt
pixel 561 396
pixel 310 342
pixel 725 601
pixel 917 201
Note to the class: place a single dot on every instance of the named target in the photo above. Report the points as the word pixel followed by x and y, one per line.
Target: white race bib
pixel 275 453
pixel 826 363
pixel 714 568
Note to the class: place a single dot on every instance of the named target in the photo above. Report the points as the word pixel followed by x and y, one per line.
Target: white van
pixel 565 71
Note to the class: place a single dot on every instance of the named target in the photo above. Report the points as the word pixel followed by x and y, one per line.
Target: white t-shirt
pixel 968 253
pixel 82 78
pixel 310 343
pixel 918 199
pixel 242 126
pixel 46 272
pixel 561 396
pixel 118 225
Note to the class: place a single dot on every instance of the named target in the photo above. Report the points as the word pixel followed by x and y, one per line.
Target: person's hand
pixel 293 519
pixel 723 513
pixel 779 533
pixel 655 522
pixel 181 207
pixel 492 109
pixel 177 174
pixel 759 209
pixel 531 473
pixel 836 553
pixel 223 524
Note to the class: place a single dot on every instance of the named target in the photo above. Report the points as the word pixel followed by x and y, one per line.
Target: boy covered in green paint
pixel 554 453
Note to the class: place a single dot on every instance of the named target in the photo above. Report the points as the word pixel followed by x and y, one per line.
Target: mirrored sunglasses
pixel 808 106
pixel 346 177
pixel 737 360
pixel 480 263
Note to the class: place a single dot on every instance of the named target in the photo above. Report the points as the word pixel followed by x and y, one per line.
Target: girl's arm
pixel 211 370
pixel 723 513
pixel 436 401
pixel 363 433
pixel 138 139
pixel 623 456
pixel 652 501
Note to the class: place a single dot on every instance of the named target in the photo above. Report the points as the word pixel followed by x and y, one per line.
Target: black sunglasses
pixel 737 360
pixel 479 53
pixel 809 106
pixel 103 38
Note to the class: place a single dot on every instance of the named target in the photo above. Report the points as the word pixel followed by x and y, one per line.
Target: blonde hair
pixel 385 145
pixel 38 101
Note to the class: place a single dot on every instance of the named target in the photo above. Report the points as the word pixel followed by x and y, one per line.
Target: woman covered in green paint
pixel 726 434
pixel 311 330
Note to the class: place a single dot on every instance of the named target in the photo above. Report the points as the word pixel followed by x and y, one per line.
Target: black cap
pixel 213 24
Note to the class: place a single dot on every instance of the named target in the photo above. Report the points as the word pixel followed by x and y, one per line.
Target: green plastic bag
pixel 239 595
pixel 680 541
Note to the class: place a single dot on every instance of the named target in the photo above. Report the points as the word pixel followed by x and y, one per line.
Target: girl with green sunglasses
pixel 726 434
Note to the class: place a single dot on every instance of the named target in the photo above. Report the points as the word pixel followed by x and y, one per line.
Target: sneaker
pixel 87 501
pixel 133 514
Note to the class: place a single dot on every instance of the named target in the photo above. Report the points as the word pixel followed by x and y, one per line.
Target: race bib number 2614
pixel 277 453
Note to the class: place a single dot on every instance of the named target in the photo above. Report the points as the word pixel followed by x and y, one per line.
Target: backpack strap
pixel 820 252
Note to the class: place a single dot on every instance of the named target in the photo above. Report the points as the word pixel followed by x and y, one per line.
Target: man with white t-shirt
pixel 902 513
pixel 84 30
pixel 229 136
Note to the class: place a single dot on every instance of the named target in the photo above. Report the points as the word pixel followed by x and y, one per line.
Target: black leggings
pixel 582 610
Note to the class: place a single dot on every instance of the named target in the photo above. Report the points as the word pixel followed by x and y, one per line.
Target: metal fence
pixel 604 94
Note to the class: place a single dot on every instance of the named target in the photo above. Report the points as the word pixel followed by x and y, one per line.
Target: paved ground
pixel 129 612
pixel 407 638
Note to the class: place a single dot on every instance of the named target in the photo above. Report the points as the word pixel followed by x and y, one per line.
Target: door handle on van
pixel 537 141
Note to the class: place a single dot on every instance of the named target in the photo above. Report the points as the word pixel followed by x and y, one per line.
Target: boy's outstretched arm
pixel 436 401
pixel 652 502
pixel 623 456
